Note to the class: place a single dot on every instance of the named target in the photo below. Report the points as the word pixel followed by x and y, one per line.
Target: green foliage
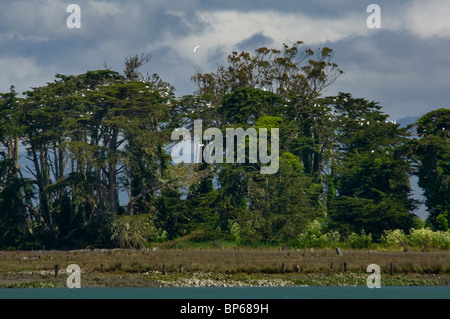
pixel 135 231
pixel 441 239
pixel 31 284
pixel 13 214
pixel 282 203
pixel 246 105
pixel 359 241
pixel 419 238
pixel 432 152
pixel 235 231
pixel 393 238
pixel 99 172
pixel 314 235
pixel 370 172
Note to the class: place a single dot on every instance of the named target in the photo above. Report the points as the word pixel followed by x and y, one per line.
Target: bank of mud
pixel 95 279
pixel 222 268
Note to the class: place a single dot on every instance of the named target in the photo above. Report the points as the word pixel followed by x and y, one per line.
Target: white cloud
pixel 228 28
pixel 421 18
pixel 45 20
pixel 104 8
pixel 23 73
pixel 428 18
pixel 375 61
pixel 36 21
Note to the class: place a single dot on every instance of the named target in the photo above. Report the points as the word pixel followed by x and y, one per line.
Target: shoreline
pixel 222 268
pixel 157 279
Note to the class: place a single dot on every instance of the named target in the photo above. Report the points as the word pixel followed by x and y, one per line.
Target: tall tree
pixel 371 171
pixel 14 190
pixel 432 149
pixel 286 72
pixel 10 129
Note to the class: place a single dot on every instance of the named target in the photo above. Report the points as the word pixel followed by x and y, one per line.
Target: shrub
pixel 360 241
pixel 135 231
pixel 235 230
pixel 441 239
pixel 333 236
pixel 393 238
pixel 420 237
pixel 313 236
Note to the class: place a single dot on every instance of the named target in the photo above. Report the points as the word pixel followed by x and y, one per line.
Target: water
pixel 389 292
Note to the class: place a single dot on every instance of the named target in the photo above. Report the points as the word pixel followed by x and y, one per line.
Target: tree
pixel 371 171
pixel 56 120
pixel 101 173
pixel 432 150
pixel 286 72
pixel 10 129
pixel 132 65
pixel 271 84
pixel 15 191
pixel 281 205
pixel 14 226
pixel 312 128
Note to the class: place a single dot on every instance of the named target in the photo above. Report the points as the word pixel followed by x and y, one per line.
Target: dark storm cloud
pixel 406 74
pixel 255 41
pixel 404 65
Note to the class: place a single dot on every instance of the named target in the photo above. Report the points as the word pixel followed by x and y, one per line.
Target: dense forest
pixel 85 160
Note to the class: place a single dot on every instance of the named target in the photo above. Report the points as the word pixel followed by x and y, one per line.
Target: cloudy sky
pixel 404 65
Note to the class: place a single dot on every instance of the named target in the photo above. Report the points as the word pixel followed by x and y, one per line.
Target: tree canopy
pixel 85 160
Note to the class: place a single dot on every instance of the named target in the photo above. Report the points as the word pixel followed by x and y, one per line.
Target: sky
pixel 404 64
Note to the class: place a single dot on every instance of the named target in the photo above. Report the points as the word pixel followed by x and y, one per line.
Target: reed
pixel 228 260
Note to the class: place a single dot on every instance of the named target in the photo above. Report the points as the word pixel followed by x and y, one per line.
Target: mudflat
pixel 222 267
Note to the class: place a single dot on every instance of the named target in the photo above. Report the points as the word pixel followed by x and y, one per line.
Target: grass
pixel 301 266
pixel 32 284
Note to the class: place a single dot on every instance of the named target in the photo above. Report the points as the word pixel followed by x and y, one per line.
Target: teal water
pixel 389 292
